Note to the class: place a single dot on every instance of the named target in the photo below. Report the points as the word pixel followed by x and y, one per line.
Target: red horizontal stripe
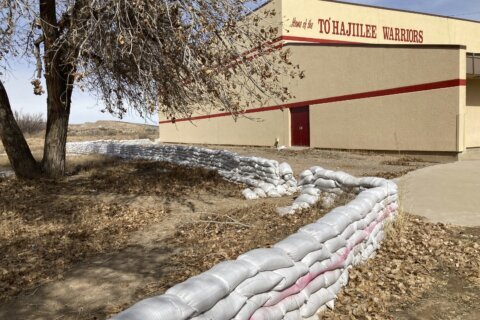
pixel 314 40
pixel 355 96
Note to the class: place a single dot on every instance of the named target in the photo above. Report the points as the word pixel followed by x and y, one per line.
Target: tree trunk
pixel 58 113
pixel 14 142
pixel 59 81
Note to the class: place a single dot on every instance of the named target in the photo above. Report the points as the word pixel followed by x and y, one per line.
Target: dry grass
pixel 47 226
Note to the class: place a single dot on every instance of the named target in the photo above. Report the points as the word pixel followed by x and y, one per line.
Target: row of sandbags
pixel 296 278
pixel 319 184
pixel 265 178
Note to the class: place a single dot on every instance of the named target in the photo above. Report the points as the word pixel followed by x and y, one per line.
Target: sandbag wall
pixel 297 277
pixel 318 184
pixel 266 178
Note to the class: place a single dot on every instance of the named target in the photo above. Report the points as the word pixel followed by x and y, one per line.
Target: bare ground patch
pixel 47 226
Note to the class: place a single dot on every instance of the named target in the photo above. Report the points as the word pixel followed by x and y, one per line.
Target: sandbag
pixel 268 313
pixel 325 184
pixel 311 191
pixel 284 169
pixel 293 302
pixel 261 283
pixel 201 292
pixel 232 273
pixel 316 256
pixel 323 281
pixel 252 305
pixel 274 194
pixel 290 275
pixel 307 180
pixel 293 315
pixel 285 210
pixel 315 301
pixel 225 309
pixel 298 245
pixel 249 194
pixel 260 192
pixel 306 198
pixel 166 307
pixel 321 231
pixel 266 186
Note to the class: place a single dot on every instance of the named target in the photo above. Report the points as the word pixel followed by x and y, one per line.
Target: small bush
pixel 30 123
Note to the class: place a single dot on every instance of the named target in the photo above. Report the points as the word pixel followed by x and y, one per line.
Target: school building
pixel 376 79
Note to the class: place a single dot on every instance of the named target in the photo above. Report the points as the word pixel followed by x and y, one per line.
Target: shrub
pixel 30 123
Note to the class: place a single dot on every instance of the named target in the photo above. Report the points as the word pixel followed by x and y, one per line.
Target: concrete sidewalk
pixel 448 193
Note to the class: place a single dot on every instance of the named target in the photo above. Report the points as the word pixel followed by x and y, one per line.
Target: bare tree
pixel 173 56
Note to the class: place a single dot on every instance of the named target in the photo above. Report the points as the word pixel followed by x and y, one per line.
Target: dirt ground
pixel 111 233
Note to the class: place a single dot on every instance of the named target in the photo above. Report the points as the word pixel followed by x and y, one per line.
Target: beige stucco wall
pixel 260 129
pixel 436 30
pixel 472 118
pixel 421 121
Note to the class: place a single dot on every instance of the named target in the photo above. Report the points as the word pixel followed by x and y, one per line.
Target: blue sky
pixel 465 9
pixel 86 109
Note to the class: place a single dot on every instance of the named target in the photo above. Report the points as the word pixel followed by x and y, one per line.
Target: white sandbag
pixel 300 205
pixel 252 305
pixel 194 293
pixel 298 245
pixel 336 217
pixel 293 315
pixel 249 194
pixel 307 180
pixel 306 198
pixel 290 275
pixel 348 232
pixel 270 313
pixel 305 173
pixel 232 273
pixel 321 231
pixel 336 287
pixel 356 238
pixel 165 307
pixel 328 200
pixel 311 191
pixel 261 283
pixel 344 278
pixel 346 180
pixel 273 194
pixel 316 256
pixel 325 184
pixel 292 190
pixel 281 190
pixel 266 186
pixel 225 309
pixel 315 301
pixel 267 259
pixel 284 169
pixel 323 281
pixel 293 302
pixel 291 183
pixel 316 170
pixel 283 211
pixel 260 193
pixel 335 244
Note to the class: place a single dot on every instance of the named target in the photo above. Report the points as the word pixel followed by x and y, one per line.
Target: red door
pixel 300 119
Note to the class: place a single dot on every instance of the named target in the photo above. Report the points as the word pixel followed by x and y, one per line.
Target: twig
pixel 224 222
